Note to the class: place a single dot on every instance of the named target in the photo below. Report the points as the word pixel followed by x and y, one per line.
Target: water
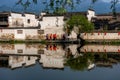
pixel 59 62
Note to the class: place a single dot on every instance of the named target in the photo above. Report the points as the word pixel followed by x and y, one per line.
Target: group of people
pixel 55 36
pixel 52 47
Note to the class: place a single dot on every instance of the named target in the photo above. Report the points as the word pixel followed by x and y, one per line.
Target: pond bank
pixel 101 41
pixel 74 41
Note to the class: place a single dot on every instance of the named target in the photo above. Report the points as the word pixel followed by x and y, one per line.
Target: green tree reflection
pixel 80 63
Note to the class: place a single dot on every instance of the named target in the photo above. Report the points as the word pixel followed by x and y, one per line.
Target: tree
pixel 57 6
pixel 113 6
pixel 80 63
pixel 80 22
pixel 93 2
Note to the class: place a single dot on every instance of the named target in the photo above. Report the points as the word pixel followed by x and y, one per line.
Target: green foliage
pixel 80 63
pixel 92 3
pixel 80 22
pixel 57 6
pixel 54 5
pixel 113 6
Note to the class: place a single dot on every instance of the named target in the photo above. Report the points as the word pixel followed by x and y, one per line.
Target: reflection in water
pixel 58 56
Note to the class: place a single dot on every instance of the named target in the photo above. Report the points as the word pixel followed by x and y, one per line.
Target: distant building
pixel 52 24
pixel 13 52
pixel 14 19
pixel 106 22
pixel 28 26
pixel 19 26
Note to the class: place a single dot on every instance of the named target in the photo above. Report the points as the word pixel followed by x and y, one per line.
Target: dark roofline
pixel 52 15
pixel 91 9
pixel 67 13
pixel 19 27
pixel 107 14
pixel 9 12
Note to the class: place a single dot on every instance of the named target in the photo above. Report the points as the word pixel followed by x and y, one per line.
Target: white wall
pixel 14 32
pixel 90 14
pixel 19 36
pixel 52 21
pixel 100 48
pixel 33 20
pixel 17 20
pixel 100 36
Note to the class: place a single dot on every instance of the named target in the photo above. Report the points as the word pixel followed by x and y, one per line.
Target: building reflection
pixel 55 56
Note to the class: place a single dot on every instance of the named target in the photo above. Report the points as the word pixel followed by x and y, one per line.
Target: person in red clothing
pixel 54 47
pixel 54 36
pixel 51 48
pixel 50 36
pixel 46 36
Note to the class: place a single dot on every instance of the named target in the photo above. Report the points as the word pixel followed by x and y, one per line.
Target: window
pixel 19 31
pixel 40 51
pixel 40 31
pixel 28 21
pixel 28 57
pixel 19 51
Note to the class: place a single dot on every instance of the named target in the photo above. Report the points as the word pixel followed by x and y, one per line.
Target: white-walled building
pixel 17 26
pixel 90 14
pixel 53 57
pixel 52 24
pixel 14 50
pixel 14 19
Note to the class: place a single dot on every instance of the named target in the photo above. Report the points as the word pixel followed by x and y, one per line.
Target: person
pixel 54 36
pixel 54 47
pixel 63 36
pixel 47 36
pixel 50 36
pixel 68 53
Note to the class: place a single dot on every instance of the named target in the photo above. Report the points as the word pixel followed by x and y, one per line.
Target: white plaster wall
pixel 31 32
pixel 13 49
pixel 20 36
pixel 19 47
pixel 15 17
pixel 33 20
pixel 31 50
pixel 100 48
pixel 51 22
pixel 16 61
pixel 54 59
pixel 6 31
pixel 51 62
pixel 73 35
pixel 90 14
pixel 7 48
pixel 57 30
pixel 100 36
pixel 73 49
pixel 22 20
